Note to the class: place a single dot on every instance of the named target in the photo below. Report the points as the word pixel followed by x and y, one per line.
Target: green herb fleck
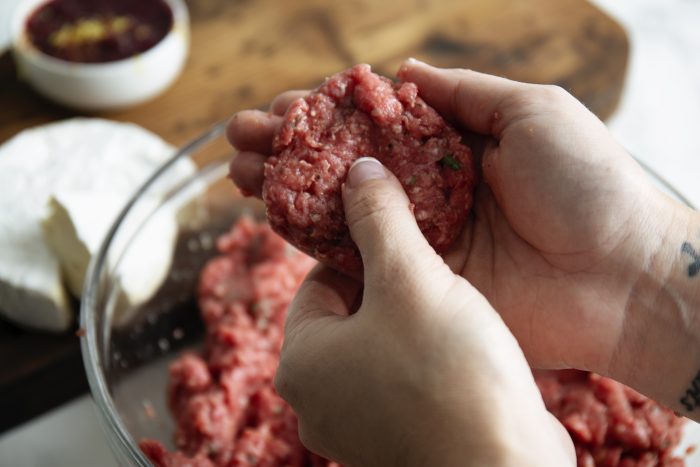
pixel 411 181
pixel 451 162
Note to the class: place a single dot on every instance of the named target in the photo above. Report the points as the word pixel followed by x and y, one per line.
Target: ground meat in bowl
pixel 611 425
pixel 357 113
pixel 222 399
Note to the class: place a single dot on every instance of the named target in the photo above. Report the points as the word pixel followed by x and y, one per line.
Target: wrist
pixel 513 427
pixel 658 352
pixel 526 438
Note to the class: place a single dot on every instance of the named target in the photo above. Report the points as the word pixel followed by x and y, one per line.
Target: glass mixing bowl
pixel 127 348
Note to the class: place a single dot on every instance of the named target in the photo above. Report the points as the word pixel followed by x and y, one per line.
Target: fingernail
pixel 364 169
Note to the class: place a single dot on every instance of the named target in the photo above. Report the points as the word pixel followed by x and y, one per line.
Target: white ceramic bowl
pixel 102 86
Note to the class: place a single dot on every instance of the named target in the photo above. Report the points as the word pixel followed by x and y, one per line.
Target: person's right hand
pixel 566 231
pixel 424 372
pixel 567 237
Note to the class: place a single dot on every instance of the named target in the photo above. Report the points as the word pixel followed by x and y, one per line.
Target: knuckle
pixel 309 438
pixel 370 204
pixel 283 381
pixel 553 92
pixel 458 92
pixel 536 98
pixel 305 436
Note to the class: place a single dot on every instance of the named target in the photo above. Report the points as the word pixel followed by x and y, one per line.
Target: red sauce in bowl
pixel 98 31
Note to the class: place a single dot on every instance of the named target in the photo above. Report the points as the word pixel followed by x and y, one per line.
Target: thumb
pixel 381 222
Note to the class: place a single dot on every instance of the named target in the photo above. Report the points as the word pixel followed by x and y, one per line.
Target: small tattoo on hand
pixel 691 398
pixel 694 267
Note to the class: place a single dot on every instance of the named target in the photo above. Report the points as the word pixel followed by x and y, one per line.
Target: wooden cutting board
pixel 246 51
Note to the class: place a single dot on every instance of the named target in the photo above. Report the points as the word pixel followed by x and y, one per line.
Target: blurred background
pixel 642 79
pixel 633 63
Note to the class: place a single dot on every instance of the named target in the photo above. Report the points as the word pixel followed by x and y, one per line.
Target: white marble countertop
pixel 659 117
pixel 658 121
pixel 69 436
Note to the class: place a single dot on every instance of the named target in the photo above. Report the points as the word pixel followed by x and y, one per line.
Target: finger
pixel 324 293
pixel 282 101
pixel 491 168
pixel 311 442
pixel 480 102
pixel 564 438
pixel 253 130
pixel 382 225
pixel 246 170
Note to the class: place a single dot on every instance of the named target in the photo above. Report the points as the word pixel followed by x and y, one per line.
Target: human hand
pixel 566 231
pixel 568 239
pixel 425 372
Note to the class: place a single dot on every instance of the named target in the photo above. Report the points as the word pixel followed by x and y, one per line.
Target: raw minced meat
pixel 357 113
pixel 611 424
pixel 223 401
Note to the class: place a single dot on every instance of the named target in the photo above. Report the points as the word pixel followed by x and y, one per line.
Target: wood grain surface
pixel 246 51
pixel 243 52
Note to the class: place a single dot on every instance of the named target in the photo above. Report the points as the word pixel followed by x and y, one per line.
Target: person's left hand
pixel 425 372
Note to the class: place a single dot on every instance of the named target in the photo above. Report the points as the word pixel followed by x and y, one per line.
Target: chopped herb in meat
pixel 451 162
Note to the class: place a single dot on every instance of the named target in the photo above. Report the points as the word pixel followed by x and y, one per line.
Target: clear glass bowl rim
pixel 118 436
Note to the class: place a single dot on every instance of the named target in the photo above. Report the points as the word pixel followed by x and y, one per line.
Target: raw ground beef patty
pixel 357 113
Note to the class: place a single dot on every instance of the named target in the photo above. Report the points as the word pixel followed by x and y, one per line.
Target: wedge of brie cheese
pixel 69 161
pixel 77 223
pixel 31 291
